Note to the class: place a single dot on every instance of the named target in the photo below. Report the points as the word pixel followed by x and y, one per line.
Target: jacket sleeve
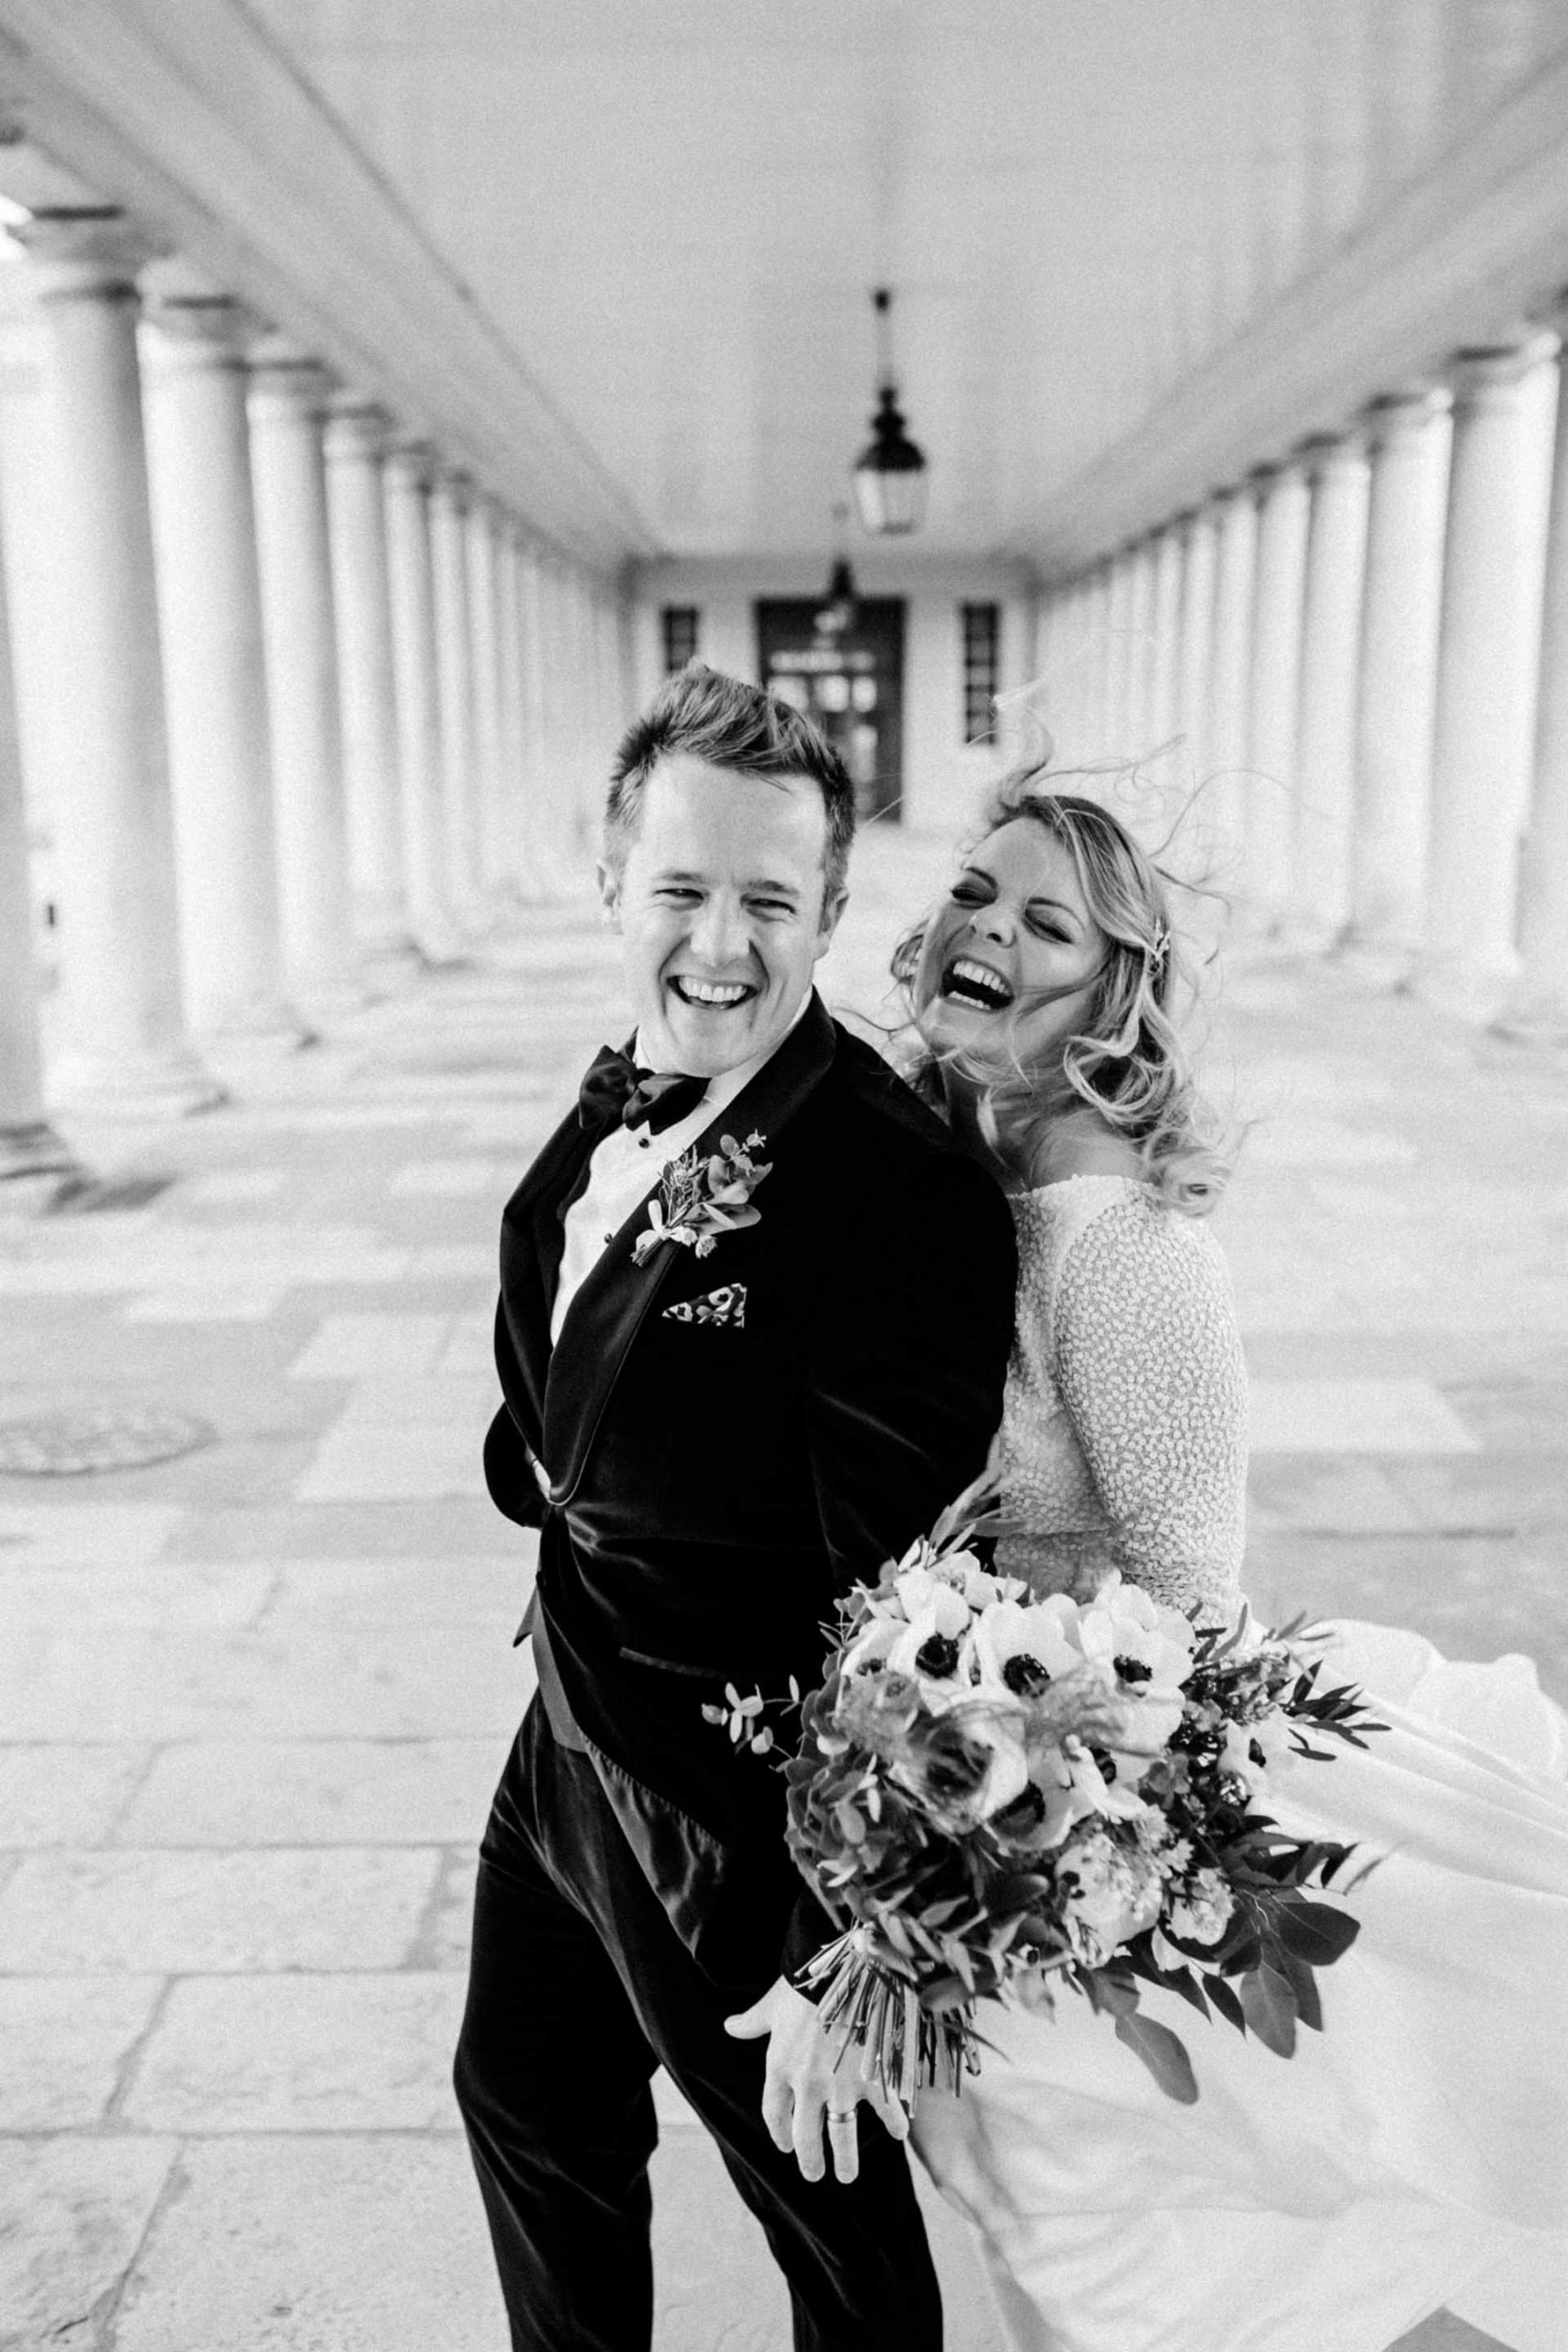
pixel 509 1472
pixel 906 1386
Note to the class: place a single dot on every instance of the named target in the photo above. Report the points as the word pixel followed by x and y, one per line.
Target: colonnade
pixel 318 704
pixel 1356 659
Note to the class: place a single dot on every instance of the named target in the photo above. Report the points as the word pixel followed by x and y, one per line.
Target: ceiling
pixel 672 216
pixel 675 213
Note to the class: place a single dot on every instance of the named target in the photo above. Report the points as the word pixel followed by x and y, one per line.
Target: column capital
pixel 357 426
pixel 84 251
pixel 1292 467
pixel 1332 453
pixel 453 485
pixel 197 325
pixel 411 464
pixel 287 379
pixel 1401 414
pixel 1486 374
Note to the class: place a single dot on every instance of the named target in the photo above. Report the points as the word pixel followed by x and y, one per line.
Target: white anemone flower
pixel 934 1647
pixel 1022 1648
pixel 1122 1627
pixel 870 1649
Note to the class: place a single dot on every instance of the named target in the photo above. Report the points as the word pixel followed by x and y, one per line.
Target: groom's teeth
pixel 712 991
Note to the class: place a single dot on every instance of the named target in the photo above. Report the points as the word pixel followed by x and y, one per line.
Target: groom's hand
pixel 803 2088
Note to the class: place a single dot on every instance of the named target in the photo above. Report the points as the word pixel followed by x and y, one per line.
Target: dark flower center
pixel 1024 1675
pixel 1132 1669
pixel 937 1655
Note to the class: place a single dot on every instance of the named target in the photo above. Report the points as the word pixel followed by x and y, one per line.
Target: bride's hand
pixel 803 2088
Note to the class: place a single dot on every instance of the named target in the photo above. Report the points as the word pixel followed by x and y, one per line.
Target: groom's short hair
pixel 730 725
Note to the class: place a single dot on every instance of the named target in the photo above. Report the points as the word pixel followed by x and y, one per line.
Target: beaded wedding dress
pixel 1416 2153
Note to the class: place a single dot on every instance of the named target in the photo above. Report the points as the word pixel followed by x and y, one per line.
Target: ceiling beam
pixel 194 122
pixel 1458 256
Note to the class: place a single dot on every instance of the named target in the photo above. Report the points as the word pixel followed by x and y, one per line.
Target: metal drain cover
pixel 64 1445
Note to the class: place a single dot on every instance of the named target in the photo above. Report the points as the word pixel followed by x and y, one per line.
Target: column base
pixel 140 1088
pixel 1476 997
pixel 267 1031
pixel 33 1149
pixel 1388 969
pixel 1539 1019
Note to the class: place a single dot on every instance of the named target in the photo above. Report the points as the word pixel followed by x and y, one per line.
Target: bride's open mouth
pixel 976 985
pixel 711 996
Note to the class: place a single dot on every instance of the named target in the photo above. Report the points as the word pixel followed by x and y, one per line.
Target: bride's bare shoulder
pixel 1088 1147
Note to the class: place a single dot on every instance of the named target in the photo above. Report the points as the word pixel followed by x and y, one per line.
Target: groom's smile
pixel 720 901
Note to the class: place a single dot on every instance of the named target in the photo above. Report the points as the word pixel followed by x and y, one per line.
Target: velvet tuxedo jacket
pixel 706 1486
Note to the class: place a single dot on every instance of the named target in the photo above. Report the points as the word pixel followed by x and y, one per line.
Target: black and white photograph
pixel 783 1176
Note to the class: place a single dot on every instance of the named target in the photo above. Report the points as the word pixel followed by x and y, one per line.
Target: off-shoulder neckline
pixel 1086 1176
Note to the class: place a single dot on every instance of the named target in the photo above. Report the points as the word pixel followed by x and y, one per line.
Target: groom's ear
pixel 609 883
pixel 834 905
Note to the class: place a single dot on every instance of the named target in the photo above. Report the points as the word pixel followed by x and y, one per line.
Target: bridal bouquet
pixel 1008 1798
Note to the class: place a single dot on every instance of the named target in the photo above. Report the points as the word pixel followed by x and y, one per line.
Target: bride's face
pixel 1009 958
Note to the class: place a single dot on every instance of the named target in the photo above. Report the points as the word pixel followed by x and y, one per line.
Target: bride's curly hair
pixel 1129 1061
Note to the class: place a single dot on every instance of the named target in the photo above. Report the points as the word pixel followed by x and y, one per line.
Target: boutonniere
pixel 702 1196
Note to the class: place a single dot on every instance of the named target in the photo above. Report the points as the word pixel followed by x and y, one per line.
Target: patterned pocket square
pixel 725 1306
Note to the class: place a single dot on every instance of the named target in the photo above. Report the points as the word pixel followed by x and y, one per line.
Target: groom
pixel 716 1435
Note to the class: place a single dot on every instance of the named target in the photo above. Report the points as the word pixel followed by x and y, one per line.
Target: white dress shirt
pixel 625 1167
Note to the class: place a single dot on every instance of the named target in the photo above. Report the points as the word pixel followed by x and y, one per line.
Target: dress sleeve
pixel 1151 1374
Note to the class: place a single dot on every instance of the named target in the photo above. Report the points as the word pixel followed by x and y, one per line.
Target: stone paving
pixel 252 1699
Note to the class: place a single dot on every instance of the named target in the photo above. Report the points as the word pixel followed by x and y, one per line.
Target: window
pixel 680 626
pixel 982 637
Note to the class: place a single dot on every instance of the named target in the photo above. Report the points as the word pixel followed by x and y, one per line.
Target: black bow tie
pixel 615 1087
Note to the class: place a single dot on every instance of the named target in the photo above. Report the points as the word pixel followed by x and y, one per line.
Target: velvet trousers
pixel 579 1989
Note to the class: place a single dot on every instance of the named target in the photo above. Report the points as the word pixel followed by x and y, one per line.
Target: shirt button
pixel 642 1143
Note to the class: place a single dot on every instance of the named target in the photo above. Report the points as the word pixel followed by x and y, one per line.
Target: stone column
pixel 204 535
pixel 484 654
pixel 1195 651
pixel 1235 548
pixel 1488 648
pixel 407 474
pixel 289 396
pixel 540 781
pixel 1537 1002
pixel 1165 625
pixel 1272 694
pixel 454 665
pixel 28 1144
pixel 125 1051
pixel 1139 668
pixel 355 443
pixel 1319 908
pixel 1116 741
pixel 513 811
pixel 1407 437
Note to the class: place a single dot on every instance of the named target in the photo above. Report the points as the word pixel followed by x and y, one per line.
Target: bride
pixel 1414 2154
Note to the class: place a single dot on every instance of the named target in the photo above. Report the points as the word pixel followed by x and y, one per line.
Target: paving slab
pixel 66 2039
pixel 310 1792
pixel 259 1909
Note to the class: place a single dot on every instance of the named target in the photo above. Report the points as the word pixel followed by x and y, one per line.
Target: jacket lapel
pixel 607 1312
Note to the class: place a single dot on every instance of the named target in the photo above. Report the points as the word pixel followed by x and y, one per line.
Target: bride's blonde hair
pixel 1129 1061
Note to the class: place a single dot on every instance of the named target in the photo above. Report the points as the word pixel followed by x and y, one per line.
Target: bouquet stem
pixel 905 2047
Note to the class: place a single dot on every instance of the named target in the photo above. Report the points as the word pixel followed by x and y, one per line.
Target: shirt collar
pixel 723 1089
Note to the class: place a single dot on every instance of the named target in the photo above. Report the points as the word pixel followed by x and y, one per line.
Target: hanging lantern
pixel 889 477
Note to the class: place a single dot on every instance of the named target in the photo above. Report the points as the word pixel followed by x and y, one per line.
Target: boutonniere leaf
pixel 699 1199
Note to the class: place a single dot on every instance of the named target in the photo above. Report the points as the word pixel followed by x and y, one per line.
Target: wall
pixel 944 778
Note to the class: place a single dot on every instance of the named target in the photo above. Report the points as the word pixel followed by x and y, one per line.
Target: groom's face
pixel 721 904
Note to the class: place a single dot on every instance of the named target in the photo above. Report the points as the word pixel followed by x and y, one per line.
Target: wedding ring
pixel 838 2115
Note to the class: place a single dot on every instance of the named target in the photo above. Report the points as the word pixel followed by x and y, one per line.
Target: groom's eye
pixel 969 894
